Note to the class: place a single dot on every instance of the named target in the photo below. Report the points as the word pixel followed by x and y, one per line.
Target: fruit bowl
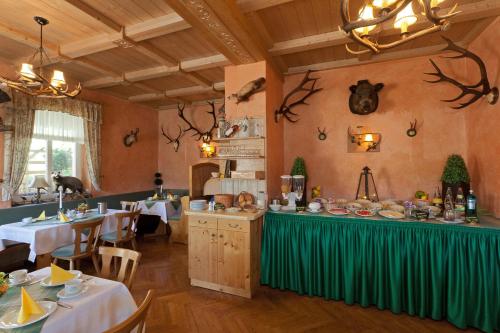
pixel 275 208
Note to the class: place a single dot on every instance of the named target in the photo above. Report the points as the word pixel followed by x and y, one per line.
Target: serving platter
pixel 339 211
pixel 391 214
pixel 364 213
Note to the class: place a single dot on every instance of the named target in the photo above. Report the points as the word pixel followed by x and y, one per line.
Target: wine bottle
pixel 471 208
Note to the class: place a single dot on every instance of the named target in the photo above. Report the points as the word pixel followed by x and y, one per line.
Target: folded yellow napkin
pixel 28 307
pixel 63 217
pixel 59 275
pixel 42 217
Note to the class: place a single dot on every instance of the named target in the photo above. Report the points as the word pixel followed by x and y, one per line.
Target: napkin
pixel 63 217
pixel 155 197
pixel 59 275
pixel 28 307
pixel 42 217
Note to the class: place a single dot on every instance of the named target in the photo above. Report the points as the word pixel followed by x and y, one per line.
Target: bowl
pixel 275 208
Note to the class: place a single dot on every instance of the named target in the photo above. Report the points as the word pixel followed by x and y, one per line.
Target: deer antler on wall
pixel 478 90
pixel 285 110
pixel 206 137
pixel 176 141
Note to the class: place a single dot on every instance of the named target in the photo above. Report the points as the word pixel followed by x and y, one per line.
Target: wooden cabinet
pixel 224 252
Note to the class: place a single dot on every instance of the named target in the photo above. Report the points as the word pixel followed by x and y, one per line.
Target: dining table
pixel 103 305
pixel 165 209
pixel 423 268
pixel 46 236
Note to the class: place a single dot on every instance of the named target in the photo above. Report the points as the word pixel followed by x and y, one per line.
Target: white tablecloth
pixel 46 238
pixel 161 208
pixel 105 304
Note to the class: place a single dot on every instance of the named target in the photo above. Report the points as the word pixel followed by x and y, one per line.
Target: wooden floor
pixel 182 308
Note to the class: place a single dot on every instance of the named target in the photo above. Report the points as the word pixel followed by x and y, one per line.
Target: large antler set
pixel 439 23
pixel 206 137
pixel 285 109
pixel 478 90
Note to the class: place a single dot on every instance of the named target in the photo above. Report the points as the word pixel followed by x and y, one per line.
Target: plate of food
pixel 364 212
pixel 339 211
pixel 391 214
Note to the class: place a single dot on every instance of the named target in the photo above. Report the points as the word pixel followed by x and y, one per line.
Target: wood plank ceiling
pixel 162 52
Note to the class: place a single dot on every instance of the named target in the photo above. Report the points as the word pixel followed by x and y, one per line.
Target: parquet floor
pixel 182 308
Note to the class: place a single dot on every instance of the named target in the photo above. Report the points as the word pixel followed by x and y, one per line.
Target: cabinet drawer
pixel 204 222
pixel 234 225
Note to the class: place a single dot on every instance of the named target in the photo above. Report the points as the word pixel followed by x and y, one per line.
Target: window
pixel 56 147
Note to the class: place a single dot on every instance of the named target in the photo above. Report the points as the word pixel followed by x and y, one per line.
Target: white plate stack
pixel 197 204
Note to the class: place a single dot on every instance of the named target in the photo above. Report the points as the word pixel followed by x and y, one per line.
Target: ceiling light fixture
pixel 36 84
pixel 402 10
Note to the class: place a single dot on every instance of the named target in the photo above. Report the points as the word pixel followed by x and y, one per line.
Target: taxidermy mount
pixel 364 97
pixel 478 90
pixel 72 183
pixel 131 138
pixel 249 89
pixel 286 107
pixel 176 141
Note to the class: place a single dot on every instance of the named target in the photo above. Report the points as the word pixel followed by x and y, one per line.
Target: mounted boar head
pixel 131 138
pixel 364 97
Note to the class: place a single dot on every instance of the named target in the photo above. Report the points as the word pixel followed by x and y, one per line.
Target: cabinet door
pixel 203 254
pixel 234 259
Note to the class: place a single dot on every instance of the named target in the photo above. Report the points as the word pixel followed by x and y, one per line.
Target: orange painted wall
pixel 404 164
pixel 483 121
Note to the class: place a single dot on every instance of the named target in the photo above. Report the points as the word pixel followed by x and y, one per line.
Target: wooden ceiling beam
pixel 151 51
pixel 186 67
pixel 382 57
pixel 196 103
pixel 97 15
pixel 468 12
pixel 226 28
pixel 255 5
pixel 180 92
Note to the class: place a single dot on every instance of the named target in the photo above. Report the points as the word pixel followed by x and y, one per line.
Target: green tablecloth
pixel 431 270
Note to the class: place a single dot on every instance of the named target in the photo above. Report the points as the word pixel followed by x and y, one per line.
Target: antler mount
pixel 206 137
pixel 477 90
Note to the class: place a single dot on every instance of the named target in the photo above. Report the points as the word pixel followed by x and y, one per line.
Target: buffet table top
pixel 225 215
pixel 485 221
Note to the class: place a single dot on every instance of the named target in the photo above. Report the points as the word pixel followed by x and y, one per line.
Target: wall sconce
pixel 207 149
pixel 363 142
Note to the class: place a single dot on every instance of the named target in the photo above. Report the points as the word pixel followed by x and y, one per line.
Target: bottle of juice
pixel 460 202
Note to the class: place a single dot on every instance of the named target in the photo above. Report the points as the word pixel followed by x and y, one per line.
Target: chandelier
pixel 402 12
pixel 36 84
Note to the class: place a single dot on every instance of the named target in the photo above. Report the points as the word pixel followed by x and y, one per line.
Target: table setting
pixel 46 233
pixel 164 206
pixel 56 300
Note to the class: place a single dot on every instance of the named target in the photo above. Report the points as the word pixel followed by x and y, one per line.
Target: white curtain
pixel 52 125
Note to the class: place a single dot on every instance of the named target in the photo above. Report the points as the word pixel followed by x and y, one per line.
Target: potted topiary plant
pixel 455 175
pixel 299 168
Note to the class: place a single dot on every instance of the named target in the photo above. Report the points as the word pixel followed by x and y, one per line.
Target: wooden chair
pixel 123 234
pixel 131 206
pixel 79 250
pixel 124 275
pixel 136 320
pixel 179 226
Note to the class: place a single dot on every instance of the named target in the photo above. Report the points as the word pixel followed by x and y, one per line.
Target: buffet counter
pixel 429 269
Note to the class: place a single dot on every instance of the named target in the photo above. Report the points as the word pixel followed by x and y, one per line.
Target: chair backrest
pixel 131 206
pixel 132 218
pixel 124 274
pixel 91 230
pixel 135 320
